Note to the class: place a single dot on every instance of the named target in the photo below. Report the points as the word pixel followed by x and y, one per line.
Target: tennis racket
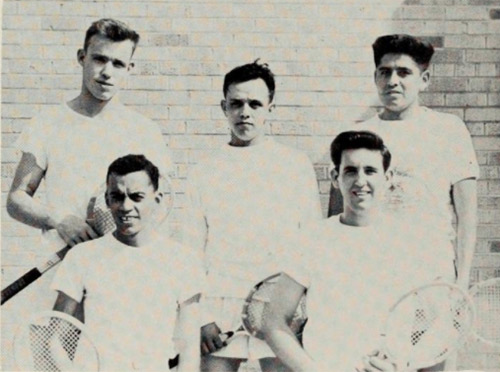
pixel 100 218
pixel 486 298
pixel 426 325
pixel 54 341
pixel 253 310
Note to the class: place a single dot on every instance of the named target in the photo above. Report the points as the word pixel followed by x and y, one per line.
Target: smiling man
pixel 69 145
pixel 434 163
pixel 354 267
pixel 133 283
pixel 243 201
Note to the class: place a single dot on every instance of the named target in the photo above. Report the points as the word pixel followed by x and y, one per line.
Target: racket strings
pixel 53 344
pixel 487 302
pixel 427 325
pixel 256 305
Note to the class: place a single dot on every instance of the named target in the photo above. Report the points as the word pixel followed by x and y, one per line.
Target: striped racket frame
pixel 256 303
pixel 427 324
pixel 486 298
pixel 54 341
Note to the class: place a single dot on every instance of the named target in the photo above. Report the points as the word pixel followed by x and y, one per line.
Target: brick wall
pixel 320 52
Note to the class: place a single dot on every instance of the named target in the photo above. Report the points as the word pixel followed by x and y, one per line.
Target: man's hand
pixel 210 339
pixel 376 362
pixel 74 230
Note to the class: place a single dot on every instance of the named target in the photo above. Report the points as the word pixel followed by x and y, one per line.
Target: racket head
pixel 486 298
pixel 256 303
pixel 99 215
pixel 427 324
pixel 54 341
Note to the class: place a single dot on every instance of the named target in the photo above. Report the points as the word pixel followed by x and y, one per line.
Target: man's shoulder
pixel 175 254
pixel 441 117
pixel 87 250
pixel 133 117
pixel 48 115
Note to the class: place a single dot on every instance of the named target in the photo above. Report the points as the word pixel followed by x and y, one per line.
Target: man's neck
pixel 406 114
pixel 358 219
pixel 138 240
pixel 236 142
pixel 87 105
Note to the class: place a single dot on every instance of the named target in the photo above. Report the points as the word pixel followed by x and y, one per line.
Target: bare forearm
pixel 287 349
pixel 189 344
pixel 466 241
pixel 29 211
pixel 465 200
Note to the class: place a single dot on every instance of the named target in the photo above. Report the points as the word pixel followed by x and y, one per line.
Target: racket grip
pixel 21 283
pixel 172 363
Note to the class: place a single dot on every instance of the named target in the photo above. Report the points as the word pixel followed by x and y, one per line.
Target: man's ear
pixel 158 197
pixel 388 178
pixel 335 178
pixel 425 78
pixel 80 56
pixel 106 198
pixel 223 106
pixel 271 107
pixel 131 65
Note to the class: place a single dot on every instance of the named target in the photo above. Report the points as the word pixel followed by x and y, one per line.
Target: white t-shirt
pixel 248 199
pixel 430 152
pixel 132 295
pixel 75 152
pixel 353 276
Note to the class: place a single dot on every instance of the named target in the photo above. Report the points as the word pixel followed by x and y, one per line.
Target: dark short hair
pixel 134 163
pixel 113 30
pixel 420 51
pixel 353 140
pixel 248 72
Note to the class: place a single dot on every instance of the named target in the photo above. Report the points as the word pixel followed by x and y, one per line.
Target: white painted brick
pixel 20 22
pixel 467 12
pixel 166 10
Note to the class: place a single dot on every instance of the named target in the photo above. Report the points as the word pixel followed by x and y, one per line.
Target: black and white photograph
pixel 252 186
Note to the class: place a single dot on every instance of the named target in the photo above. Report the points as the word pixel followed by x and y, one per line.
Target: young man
pixel 69 145
pixel 243 200
pixel 354 266
pixel 434 164
pixel 134 280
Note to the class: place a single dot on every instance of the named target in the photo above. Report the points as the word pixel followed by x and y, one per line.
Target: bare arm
pixel 189 341
pixel 23 207
pixel 278 335
pixel 465 203
pixel 66 304
pixel 20 202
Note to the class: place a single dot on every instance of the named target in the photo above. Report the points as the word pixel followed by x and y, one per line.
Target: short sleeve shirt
pixel 75 152
pixel 132 295
pixel 353 275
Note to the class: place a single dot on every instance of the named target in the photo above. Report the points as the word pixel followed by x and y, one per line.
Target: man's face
pixel 133 202
pixel 362 181
pixel 106 66
pixel 246 107
pixel 399 81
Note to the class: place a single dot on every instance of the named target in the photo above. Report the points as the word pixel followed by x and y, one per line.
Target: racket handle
pixel 172 363
pixel 21 283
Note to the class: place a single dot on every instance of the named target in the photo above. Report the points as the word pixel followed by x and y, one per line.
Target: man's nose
pixel 245 110
pixel 393 79
pixel 127 204
pixel 106 70
pixel 361 178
